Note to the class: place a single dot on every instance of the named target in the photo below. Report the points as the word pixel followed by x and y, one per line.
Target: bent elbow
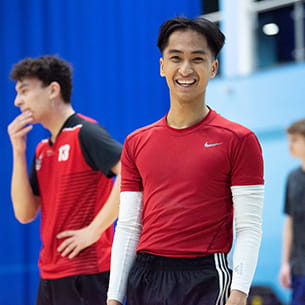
pixel 24 219
pixel 26 211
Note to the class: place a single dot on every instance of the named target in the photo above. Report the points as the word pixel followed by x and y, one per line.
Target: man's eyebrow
pixel 21 86
pixel 174 51
pixel 202 52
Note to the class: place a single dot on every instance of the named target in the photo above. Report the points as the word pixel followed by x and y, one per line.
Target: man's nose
pixel 186 68
pixel 17 101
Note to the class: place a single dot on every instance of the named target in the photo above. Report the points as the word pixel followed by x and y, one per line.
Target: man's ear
pixel 54 90
pixel 214 68
pixel 161 67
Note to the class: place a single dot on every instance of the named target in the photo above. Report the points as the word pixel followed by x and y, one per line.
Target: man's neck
pixel 186 115
pixel 57 118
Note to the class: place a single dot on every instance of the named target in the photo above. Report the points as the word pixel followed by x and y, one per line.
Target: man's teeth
pixel 186 82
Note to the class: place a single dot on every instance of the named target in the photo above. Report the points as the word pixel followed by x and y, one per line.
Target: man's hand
pixel 285 276
pixel 237 298
pixel 76 240
pixel 18 130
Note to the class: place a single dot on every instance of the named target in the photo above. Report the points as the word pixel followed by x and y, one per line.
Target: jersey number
pixel 63 154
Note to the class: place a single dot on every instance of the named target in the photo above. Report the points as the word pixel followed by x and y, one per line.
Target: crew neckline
pixel 205 120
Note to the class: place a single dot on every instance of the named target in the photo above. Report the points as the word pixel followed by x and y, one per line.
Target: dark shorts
pixel 74 290
pixel 155 280
pixel 298 289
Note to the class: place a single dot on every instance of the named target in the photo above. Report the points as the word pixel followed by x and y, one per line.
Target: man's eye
pixel 175 58
pixel 198 59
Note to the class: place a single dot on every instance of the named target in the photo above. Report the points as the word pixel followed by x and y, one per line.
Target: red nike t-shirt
pixel 186 175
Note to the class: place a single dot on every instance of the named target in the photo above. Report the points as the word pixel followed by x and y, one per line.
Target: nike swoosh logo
pixel 206 144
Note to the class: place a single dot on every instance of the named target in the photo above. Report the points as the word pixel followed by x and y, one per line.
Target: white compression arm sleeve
pixel 248 205
pixel 126 238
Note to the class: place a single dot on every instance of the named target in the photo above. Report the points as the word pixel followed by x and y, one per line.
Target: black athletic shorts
pixel 155 280
pixel 74 290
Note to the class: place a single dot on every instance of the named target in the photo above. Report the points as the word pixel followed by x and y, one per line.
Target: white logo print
pixel 63 153
pixel 239 269
pixel 206 144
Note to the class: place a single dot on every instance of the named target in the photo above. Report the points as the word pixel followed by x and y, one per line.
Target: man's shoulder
pixel 79 120
pixel 86 125
pixel 148 129
pixel 86 118
pixel 231 127
pixel 295 173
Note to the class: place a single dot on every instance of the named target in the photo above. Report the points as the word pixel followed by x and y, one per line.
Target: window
pixel 280 35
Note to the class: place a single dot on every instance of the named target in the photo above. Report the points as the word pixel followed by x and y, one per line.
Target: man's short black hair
pixel 215 38
pixel 47 69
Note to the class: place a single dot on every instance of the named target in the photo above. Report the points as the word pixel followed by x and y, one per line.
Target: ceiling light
pixel 271 29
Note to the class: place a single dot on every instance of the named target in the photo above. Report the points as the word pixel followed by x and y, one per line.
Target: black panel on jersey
pixel 100 150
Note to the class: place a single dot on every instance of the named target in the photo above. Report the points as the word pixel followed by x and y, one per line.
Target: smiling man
pixel 70 183
pixel 184 179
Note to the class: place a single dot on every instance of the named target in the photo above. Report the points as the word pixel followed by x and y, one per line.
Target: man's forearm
pixel 25 203
pixel 126 239
pixel 248 203
pixel 287 240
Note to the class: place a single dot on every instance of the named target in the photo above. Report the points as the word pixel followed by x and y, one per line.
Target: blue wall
pixel 266 102
pixel 112 46
pixel 116 80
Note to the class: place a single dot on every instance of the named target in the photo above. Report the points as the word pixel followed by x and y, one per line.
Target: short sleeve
pixel 130 177
pixel 100 150
pixel 247 162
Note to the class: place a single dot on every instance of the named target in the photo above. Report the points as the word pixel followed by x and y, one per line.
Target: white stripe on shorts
pixel 224 278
